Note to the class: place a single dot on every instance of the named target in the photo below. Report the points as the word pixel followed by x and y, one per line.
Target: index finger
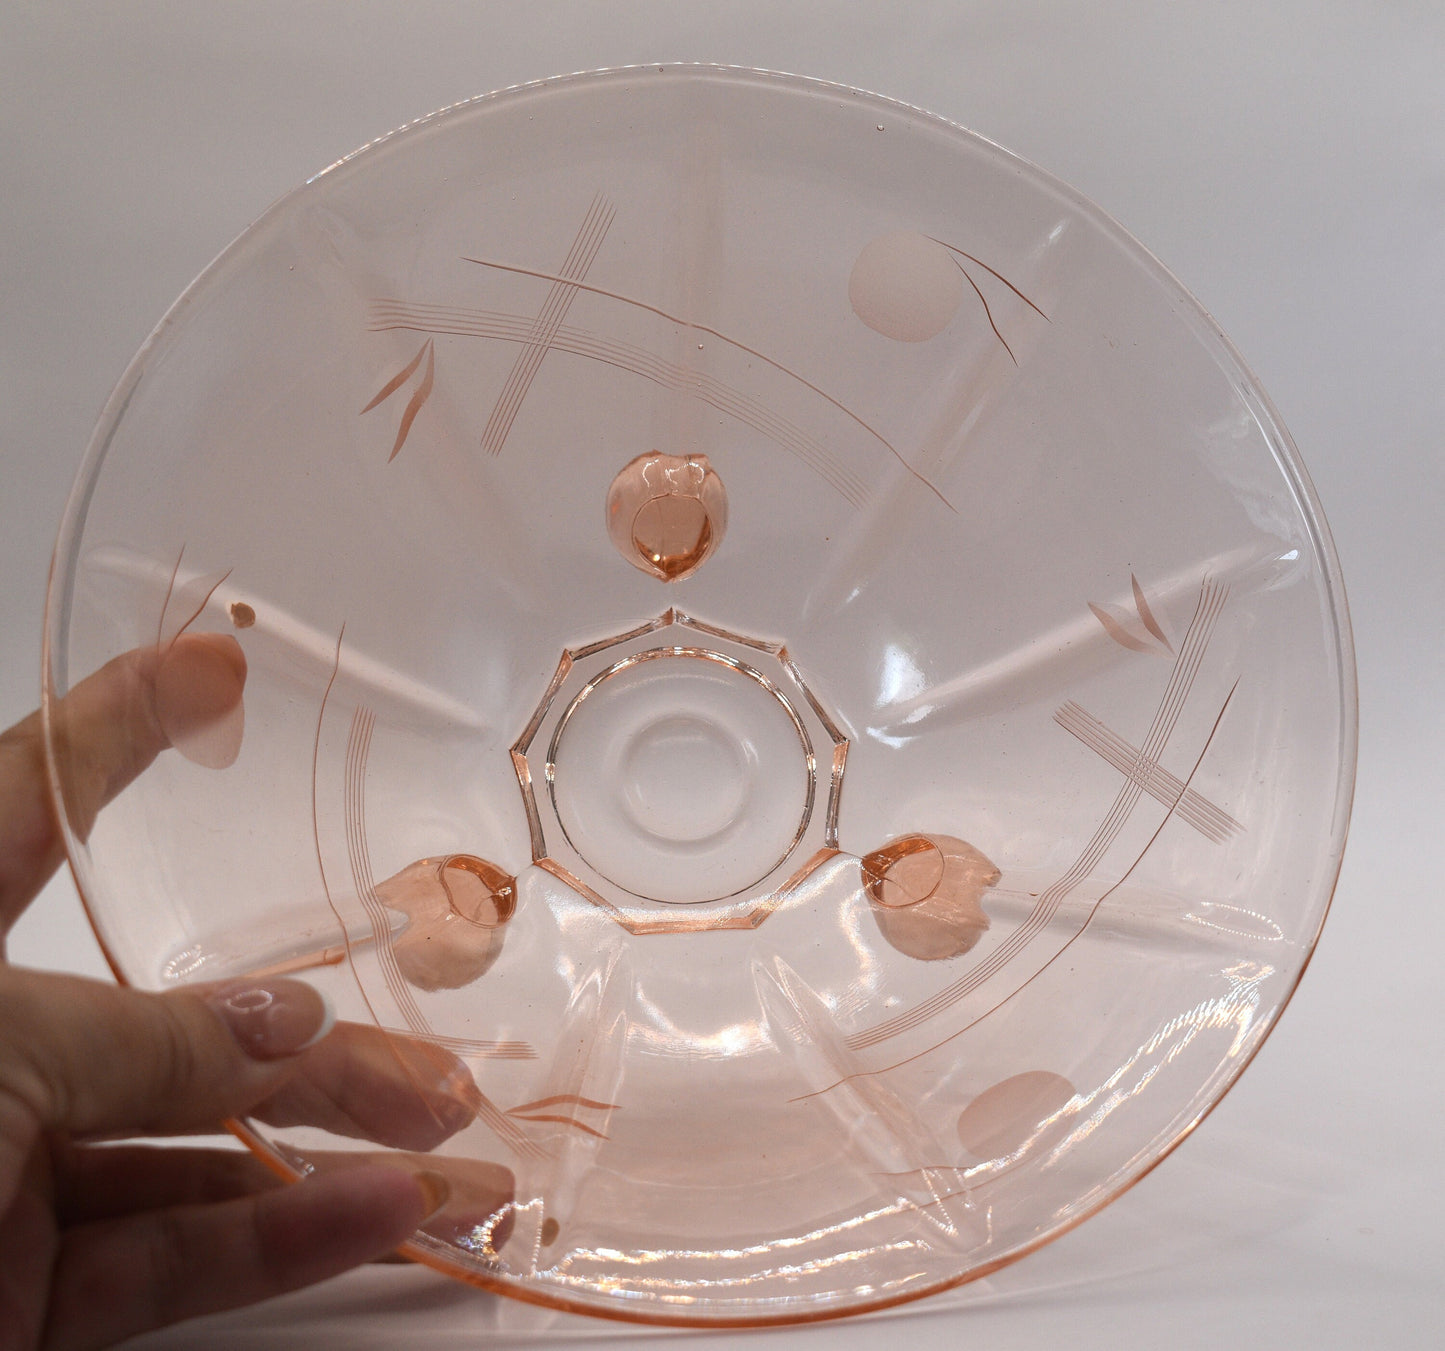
pixel 104 733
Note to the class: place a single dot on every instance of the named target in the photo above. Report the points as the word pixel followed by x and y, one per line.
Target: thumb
pixel 84 1058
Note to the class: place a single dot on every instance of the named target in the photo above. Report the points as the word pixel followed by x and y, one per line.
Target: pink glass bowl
pixel 797 695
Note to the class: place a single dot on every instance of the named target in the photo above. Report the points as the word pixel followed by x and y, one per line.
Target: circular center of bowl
pixel 685 777
pixel 681 775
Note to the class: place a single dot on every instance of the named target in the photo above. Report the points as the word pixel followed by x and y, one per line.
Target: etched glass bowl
pixel 798 699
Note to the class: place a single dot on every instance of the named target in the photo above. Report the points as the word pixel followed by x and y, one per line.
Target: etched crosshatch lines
pixel 1142 776
pixel 881 288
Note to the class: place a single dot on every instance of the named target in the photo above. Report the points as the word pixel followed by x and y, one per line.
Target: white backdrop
pixel 1286 160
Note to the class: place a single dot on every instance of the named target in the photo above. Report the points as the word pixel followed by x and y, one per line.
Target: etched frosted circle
pixel 906 286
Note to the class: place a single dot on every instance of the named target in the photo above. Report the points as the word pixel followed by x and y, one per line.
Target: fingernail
pixel 198 691
pixel 273 1019
pixel 436 1191
pixel 460 1101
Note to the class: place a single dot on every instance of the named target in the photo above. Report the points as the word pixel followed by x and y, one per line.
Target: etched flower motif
pixel 667 513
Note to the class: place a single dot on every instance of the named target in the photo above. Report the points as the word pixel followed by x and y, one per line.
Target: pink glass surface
pixel 796 694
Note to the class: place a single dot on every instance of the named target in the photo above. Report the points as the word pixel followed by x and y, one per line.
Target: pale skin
pixel 99 1242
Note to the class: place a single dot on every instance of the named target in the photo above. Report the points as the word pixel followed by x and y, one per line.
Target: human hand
pixel 99 1241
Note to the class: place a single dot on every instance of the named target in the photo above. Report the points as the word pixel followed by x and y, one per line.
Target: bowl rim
pixel 1189 310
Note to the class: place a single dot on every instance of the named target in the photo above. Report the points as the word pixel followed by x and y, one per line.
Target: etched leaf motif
pixel 1147 615
pixel 1120 626
pixel 419 395
pixel 539 1111
pixel 398 380
pixel 1115 626
pixel 423 392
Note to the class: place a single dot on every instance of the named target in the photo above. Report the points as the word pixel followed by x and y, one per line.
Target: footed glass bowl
pixel 797 697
